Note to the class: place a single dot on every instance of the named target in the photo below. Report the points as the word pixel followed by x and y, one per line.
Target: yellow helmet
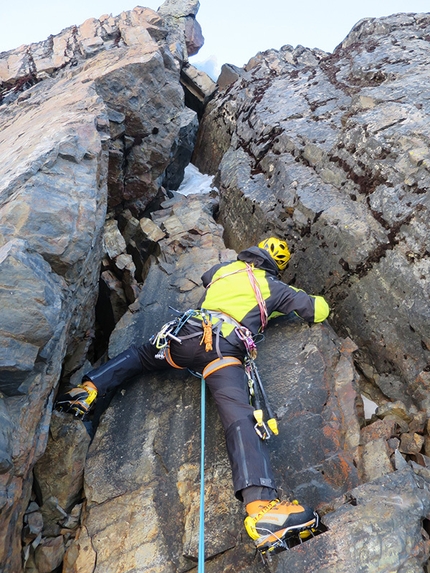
pixel 278 250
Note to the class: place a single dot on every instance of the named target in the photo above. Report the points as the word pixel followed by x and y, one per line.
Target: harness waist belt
pixel 220 316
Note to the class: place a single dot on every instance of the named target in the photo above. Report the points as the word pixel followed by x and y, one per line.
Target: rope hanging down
pixel 201 556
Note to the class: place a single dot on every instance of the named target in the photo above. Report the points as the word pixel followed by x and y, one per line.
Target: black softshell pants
pixel 248 455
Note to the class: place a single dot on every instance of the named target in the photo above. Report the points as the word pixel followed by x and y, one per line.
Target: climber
pixel 240 298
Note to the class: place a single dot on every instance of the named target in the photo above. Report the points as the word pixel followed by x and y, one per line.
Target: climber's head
pixel 278 250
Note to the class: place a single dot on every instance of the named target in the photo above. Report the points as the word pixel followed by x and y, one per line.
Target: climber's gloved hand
pixel 78 401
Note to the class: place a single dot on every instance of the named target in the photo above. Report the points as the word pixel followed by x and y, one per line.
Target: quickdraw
pixel 169 332
pixel 255 387
pixel 163 336
pixel 246 337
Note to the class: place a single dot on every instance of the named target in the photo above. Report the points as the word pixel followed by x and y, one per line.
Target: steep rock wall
pixel 96 104
pixel 142 469
pixel 331 151
pixel 97 143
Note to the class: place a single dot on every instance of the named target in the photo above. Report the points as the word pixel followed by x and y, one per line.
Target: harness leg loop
pixel 219 363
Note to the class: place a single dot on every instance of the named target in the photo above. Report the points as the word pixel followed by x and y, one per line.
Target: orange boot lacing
pixel 251 522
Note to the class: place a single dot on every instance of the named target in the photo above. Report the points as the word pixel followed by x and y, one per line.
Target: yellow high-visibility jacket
pixel 229 290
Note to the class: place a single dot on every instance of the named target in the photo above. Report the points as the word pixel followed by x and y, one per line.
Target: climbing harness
pixel 219 363
pixel 205 319
pixel 171 329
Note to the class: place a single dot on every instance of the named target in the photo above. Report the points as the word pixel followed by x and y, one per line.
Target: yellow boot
pixel 78 401
pixel 268 522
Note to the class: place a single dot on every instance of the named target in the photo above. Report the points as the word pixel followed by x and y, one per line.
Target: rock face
pixel 332 152
pixel 370 531
pixel 142 471
pixel 84 127
pixel 328 150
pixel 155 479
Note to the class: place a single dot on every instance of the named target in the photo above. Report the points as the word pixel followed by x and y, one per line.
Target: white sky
pixel 234 30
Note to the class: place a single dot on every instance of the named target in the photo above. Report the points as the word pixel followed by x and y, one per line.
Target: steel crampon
pixel 291 538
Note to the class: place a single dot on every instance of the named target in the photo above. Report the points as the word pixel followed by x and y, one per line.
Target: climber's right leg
pixel 98 382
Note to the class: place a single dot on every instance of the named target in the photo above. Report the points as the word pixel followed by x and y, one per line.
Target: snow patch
pixel 195 182
pixel 369 407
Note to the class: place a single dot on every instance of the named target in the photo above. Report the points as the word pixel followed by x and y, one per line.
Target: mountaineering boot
pixel 270 523
pixel 78 401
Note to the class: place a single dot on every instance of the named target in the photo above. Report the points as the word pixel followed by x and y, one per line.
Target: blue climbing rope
pixel 201 557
